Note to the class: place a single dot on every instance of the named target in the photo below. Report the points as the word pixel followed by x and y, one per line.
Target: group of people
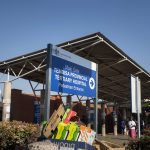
pixel 131 127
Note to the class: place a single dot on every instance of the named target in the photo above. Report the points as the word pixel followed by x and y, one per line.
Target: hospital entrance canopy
pixel 114 67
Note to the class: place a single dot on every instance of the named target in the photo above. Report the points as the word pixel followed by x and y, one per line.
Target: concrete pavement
pixel 119 139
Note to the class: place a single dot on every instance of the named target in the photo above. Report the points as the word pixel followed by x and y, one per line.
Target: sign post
pixel 48 83
pixel 138 83
pixel 96 104
pixel 136 99
pixel 72 74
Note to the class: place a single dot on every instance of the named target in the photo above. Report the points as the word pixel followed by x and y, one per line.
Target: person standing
pixel 123 125
pixel 142 124
pixel 132 128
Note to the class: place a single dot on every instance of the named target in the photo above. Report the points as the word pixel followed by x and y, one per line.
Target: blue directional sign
pixel 72 74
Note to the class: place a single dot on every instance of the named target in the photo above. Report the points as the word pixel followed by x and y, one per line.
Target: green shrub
pixel 17 133
pixel 147 131
pixel 143 143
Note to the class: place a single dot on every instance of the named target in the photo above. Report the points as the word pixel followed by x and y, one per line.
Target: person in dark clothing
pixel 142 126
pixel 123 125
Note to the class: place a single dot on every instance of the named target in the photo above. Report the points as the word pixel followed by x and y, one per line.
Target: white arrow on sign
pixel 91 83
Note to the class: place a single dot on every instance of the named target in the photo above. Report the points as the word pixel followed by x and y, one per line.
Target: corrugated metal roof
pixel 114 66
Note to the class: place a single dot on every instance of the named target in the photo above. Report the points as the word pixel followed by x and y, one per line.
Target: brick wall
pixel 22 105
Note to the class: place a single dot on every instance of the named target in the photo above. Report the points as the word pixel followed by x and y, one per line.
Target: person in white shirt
pixel 132 127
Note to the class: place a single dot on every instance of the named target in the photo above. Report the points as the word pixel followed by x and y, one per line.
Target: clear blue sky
pixel 28 25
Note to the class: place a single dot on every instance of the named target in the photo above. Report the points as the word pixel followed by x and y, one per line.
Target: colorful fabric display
pixel 62 131
pixel 65 115
pixel 73 132
pixel 86 135
pixel 70 114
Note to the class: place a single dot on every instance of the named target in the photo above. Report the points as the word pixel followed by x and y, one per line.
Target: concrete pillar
pixel 115 119
pixel 103 129
pixel 88 112
pixel 6 101
pixel 103 115
pixel 124 116
pixel 42 108
pixel 115 129
pixel 68 101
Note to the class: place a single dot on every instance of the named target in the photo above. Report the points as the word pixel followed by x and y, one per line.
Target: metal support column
pixel 95 115
pixel 48 83
pixel 96 103
pixel 88 112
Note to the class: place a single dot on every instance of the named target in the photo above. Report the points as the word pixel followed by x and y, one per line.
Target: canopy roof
pixel 114 66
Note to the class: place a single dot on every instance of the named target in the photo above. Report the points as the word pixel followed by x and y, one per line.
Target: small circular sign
pixel 91 83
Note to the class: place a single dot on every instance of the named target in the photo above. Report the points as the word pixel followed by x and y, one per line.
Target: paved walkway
pixel 119 139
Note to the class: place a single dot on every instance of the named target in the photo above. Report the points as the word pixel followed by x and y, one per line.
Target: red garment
pixel 132 133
